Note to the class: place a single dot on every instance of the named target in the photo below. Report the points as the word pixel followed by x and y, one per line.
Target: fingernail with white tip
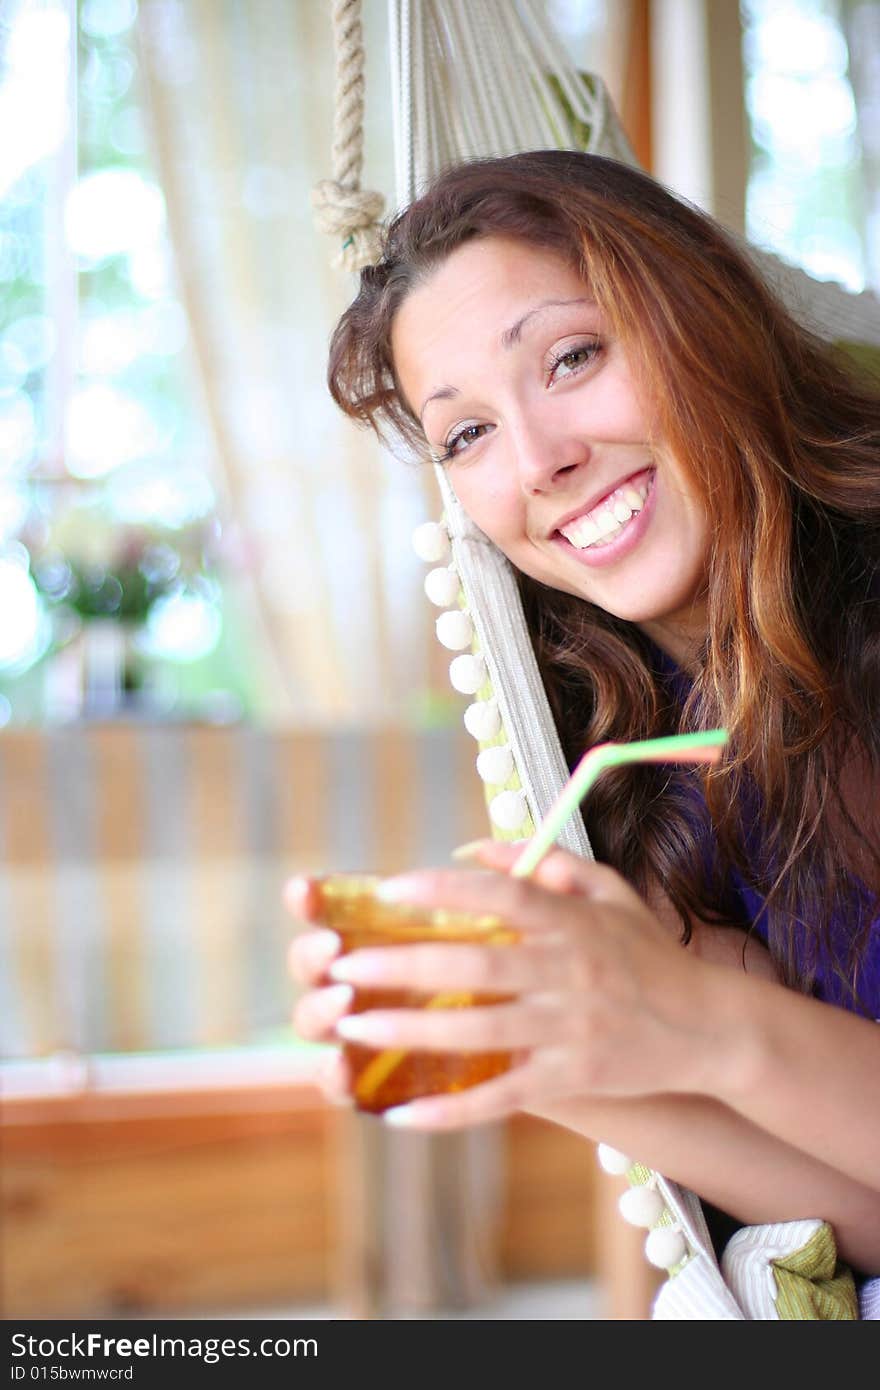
pixel 373 1032
pixel 326 941
pixel 467 851
pixel 399 1117
pixel 338 998
pixel 393 890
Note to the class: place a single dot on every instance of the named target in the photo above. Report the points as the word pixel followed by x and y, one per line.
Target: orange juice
pixel 382 1078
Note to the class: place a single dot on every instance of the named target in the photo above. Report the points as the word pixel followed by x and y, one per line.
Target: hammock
pixel 488 79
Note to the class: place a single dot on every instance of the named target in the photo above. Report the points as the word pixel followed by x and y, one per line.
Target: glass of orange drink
pixel 381 1078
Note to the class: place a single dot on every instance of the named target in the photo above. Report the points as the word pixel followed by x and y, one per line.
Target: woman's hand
pixel 607 1002
pixel 759 1098
pixel 317 1011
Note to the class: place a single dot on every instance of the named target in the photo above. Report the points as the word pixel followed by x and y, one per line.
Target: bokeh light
pixel 804 191
pixel 113 212
pixel 183 626
pixel 105 19
pixel 33 337
pixel 152 493
pixel 24 633
pixel 33 94
pixel 107 426
pixel 15 504
pixel 18 433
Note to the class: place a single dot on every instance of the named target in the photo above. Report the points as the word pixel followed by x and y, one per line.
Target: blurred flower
pixel 88 562
pixel 85 536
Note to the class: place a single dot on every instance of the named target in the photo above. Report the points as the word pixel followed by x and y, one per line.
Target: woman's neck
pixel 683 642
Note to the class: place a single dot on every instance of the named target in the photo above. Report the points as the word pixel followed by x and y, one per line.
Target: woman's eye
pixel 461 440
pixel 574 360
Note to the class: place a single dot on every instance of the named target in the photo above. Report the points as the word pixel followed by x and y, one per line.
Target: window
pixel 113 555
pixel 807 94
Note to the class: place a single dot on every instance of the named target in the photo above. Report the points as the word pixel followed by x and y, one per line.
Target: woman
pixel 688 485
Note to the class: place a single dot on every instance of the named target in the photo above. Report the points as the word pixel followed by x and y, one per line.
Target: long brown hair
pixel 782 441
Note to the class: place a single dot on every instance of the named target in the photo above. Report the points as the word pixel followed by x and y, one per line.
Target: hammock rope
pixel 342 208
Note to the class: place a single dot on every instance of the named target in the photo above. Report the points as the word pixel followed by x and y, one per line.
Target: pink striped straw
pixel 678 748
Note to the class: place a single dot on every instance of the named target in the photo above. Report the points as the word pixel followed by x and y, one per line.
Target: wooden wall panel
pixel 116 1215
pixel 548 1229
pixel 29 898
pixel 125 1204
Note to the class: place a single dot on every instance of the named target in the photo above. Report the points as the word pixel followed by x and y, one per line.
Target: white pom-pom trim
pixel 508 810
pixel 442 586
pixel 612 1160
pixel 431 541
pixel 483 719
pixel 494 765
pixel 641 1206
pixel 467 674
pixel 455 630
pixel 665 1247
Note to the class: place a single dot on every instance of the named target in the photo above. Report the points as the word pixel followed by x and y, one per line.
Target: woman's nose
pixel 545 458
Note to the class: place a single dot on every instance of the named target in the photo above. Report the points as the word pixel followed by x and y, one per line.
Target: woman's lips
pixel 607 553
pixel 625 489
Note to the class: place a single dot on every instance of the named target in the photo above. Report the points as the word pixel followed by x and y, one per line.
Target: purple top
pixel 827 984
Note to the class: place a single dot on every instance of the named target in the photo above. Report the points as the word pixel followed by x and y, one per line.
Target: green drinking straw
pixel 679 748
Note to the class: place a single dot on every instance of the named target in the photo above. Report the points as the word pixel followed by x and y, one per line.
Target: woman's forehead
pixel 501 262
pixel 492 288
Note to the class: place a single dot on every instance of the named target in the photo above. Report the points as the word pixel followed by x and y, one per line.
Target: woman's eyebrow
pixel 509 338
pixel 443 393
pixel 512 335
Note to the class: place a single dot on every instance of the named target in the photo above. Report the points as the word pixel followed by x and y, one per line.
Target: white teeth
pixel 607 522
pixel 601 525
pixel 582 532
pixel 615 530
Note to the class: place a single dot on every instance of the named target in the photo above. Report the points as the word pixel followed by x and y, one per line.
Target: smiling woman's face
pixel 522 389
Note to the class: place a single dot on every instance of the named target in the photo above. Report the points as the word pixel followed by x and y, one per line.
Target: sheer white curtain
pixel 240 96
pixel 861 22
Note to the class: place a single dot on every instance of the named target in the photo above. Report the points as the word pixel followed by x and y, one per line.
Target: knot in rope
pixel 353 214
pixel 342 208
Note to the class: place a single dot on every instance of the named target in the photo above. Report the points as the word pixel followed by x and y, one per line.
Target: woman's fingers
pixel 301 898
pixel 334 1078
pixel 317 1013
pixel 537 1020
pixel 492 854
pixel 519 902
pixel 559 870
pixel 539 964
pixel 543 1074
pixel 310 954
